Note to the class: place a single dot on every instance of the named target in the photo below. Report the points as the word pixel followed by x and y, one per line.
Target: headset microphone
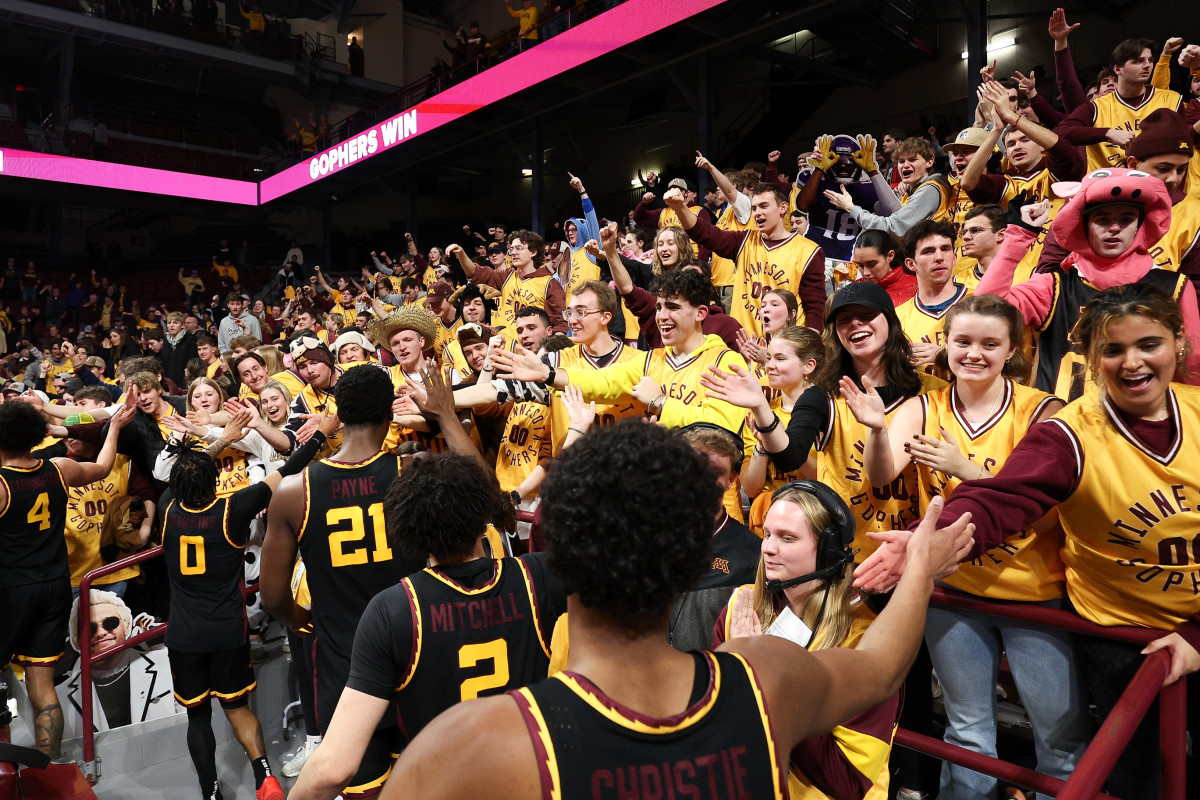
pixel 827 572
pixel 833 543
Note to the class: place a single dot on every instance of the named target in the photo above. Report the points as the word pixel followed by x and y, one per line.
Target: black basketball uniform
pixel 456 632
pixel 206 638
pixel 348 560
pixel 35 581
pixel 590 746
pixel 1060 369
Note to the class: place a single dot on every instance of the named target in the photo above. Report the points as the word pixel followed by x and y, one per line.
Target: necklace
pixel 991 409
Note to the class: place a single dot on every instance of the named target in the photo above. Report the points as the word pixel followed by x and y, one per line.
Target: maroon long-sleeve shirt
pixel 1070 90
pixel 1042 471
pixel 1064 162
pixel 556 299
pixel 810 292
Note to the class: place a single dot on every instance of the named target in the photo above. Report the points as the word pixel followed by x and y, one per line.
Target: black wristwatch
pixel 515 496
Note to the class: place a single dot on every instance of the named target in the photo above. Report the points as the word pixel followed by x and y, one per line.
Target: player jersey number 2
pixel 469 655
pixel 346 546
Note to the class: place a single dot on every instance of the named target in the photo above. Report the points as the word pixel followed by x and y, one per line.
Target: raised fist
pixel 1120 137
pixel 1188 57
pixel 648 198
pixel 674 198
pixel 608 234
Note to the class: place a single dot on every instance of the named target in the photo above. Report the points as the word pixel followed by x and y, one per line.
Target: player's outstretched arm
pixel 332 766
pixel 81 473
pixel 480 748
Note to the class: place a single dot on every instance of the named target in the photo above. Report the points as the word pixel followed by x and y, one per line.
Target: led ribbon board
pixel 628 22
pixel 107 175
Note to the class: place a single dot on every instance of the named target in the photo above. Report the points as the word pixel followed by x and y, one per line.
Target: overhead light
pixel 528 173
pixel 998 44
pixel 635 181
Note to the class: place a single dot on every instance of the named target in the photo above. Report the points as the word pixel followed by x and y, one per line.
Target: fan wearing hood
pixel 1107 226
pixel 581 267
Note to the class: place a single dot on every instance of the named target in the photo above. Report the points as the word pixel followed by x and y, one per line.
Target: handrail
pixel 87 659
pixel 1101 755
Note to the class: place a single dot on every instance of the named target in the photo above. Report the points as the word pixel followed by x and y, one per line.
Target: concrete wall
pixel 383 39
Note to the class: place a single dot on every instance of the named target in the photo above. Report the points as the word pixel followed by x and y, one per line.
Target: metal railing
pixel 1084 784
pixel 274 43
pixel 1101 755
pixel 88 659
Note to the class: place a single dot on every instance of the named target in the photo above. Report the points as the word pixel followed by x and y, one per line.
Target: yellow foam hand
pixel 823 157
pixel 864 156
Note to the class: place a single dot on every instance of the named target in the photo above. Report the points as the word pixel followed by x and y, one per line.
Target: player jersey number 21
pixel 349 545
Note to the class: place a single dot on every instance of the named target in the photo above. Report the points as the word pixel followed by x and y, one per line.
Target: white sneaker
pixel 296 763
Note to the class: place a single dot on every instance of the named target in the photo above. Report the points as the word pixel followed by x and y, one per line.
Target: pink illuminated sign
pixel 615 28
pixel 84 172
pixel 618 27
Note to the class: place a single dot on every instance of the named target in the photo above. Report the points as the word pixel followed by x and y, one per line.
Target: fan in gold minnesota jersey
pixel 1165 149
pixel 1126 544
pixel 929 246
pixel 1108 123
pixel 526 283
pixel 769 257
pixel 590 309
pixel 666 379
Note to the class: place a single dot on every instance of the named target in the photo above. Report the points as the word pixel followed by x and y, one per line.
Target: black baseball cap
pixel 861 293
pixel 496 247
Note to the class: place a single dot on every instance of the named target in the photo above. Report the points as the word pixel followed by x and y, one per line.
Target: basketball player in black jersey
pixel 467 626
pixel 35 581
pixel 627 513
pixel 333 515
pixel 203 540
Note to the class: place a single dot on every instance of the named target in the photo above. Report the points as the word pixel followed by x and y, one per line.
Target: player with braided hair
pixel 203 539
